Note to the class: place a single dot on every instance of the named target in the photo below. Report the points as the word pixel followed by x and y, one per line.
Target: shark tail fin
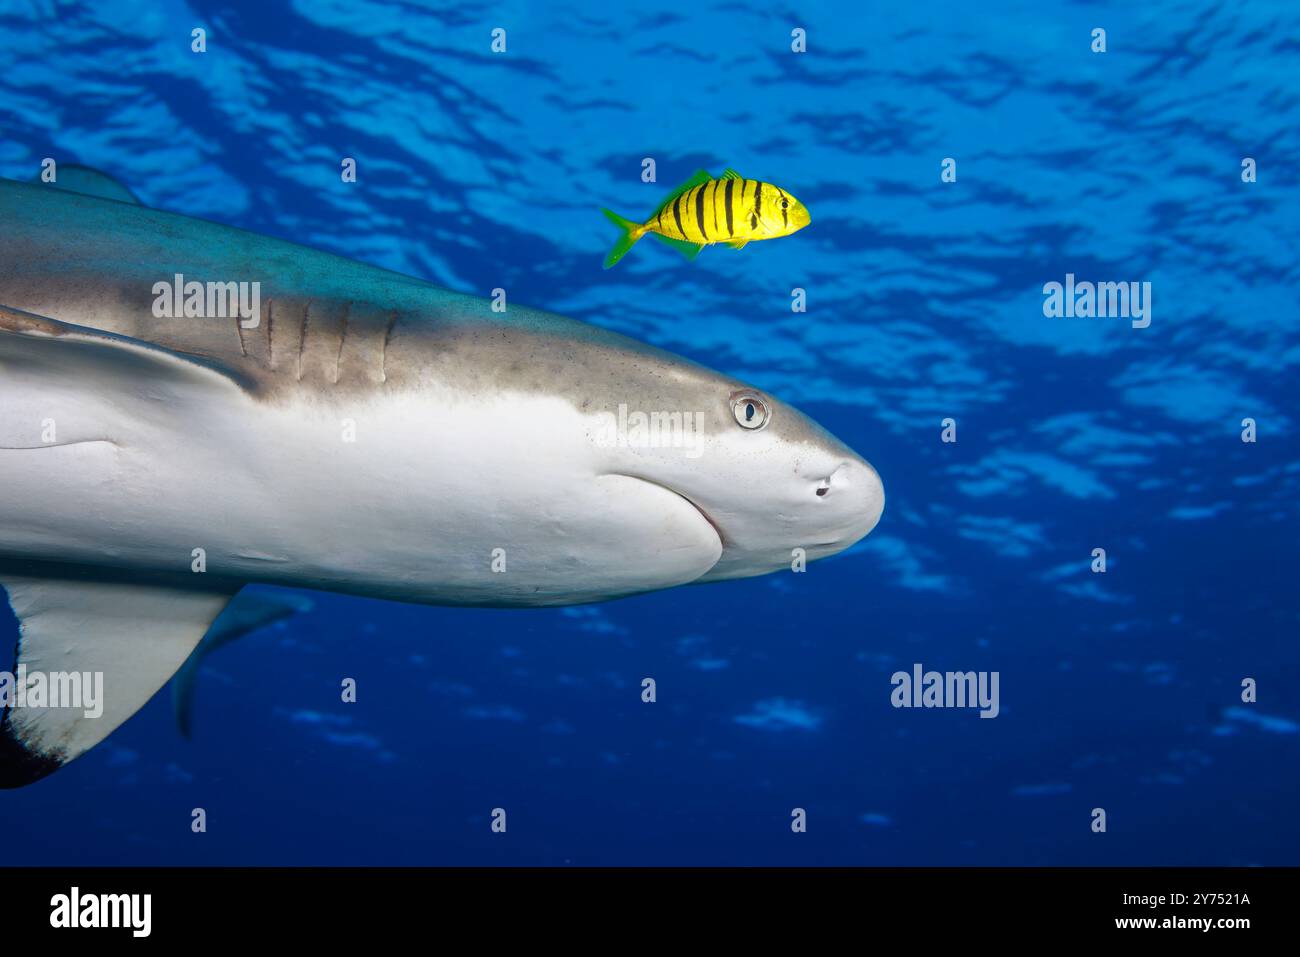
pixel 631 233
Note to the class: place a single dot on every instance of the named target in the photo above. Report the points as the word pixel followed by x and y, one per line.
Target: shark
pixel 344 429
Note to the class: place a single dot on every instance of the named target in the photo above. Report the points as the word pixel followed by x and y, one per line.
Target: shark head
pixel 599 465
pixel 773 484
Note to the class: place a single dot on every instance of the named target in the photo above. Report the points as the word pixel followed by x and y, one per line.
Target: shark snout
pixel 853 498
pixel 828 508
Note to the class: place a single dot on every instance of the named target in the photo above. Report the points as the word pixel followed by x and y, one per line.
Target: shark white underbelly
pixel 364 499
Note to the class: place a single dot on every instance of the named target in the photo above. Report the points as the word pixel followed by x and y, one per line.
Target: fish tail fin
pixel 631 233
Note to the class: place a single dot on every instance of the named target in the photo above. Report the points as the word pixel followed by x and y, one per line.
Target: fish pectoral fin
pixel 699 178
pixel 730 173
pixel 248 612
pixel 90 653
pixel 75 178
pixel 689 250
pixel 738 243
pixel 26 337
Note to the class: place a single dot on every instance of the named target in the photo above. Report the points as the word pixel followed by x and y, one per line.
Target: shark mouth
pixel 717 529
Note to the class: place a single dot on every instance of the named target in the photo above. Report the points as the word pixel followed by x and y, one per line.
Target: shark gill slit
pixel 302 335
pixel 239 331
pixel 343 337
pixel 270 338
pixel 388 335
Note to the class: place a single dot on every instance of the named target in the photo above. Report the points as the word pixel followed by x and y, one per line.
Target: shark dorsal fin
pixel 91 182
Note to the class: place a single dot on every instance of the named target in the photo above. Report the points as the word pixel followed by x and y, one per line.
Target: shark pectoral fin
pixel 248 612
pixel 91 182
pixel 27 338
pixel 689 250
pixel 89 655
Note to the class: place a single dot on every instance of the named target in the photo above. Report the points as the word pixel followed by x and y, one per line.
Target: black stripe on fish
pixel 712 190
pixel 677 215
pixel 785 212
pixel 758 202
pixel 727 202
pixel 699 209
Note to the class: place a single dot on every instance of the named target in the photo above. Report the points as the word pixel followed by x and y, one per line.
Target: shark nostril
pixel 825 484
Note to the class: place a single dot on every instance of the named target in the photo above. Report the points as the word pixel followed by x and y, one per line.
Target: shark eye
pixel 751 412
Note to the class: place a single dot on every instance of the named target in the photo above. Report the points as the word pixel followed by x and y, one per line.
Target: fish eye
pixel 785 204
pixel 750 411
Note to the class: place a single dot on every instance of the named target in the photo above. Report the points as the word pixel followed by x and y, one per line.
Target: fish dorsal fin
pixel 248 612
pixel 121 641
pixel 730 173
pixel 22 334
pixel 698 178
pixel 76 178
pixel 687 249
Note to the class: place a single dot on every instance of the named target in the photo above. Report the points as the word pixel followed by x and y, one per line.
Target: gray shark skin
pixel 365 432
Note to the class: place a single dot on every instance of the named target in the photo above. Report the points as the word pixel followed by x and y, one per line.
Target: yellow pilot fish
pixel 703 211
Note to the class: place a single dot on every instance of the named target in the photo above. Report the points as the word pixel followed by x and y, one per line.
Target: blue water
pixel 477 170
